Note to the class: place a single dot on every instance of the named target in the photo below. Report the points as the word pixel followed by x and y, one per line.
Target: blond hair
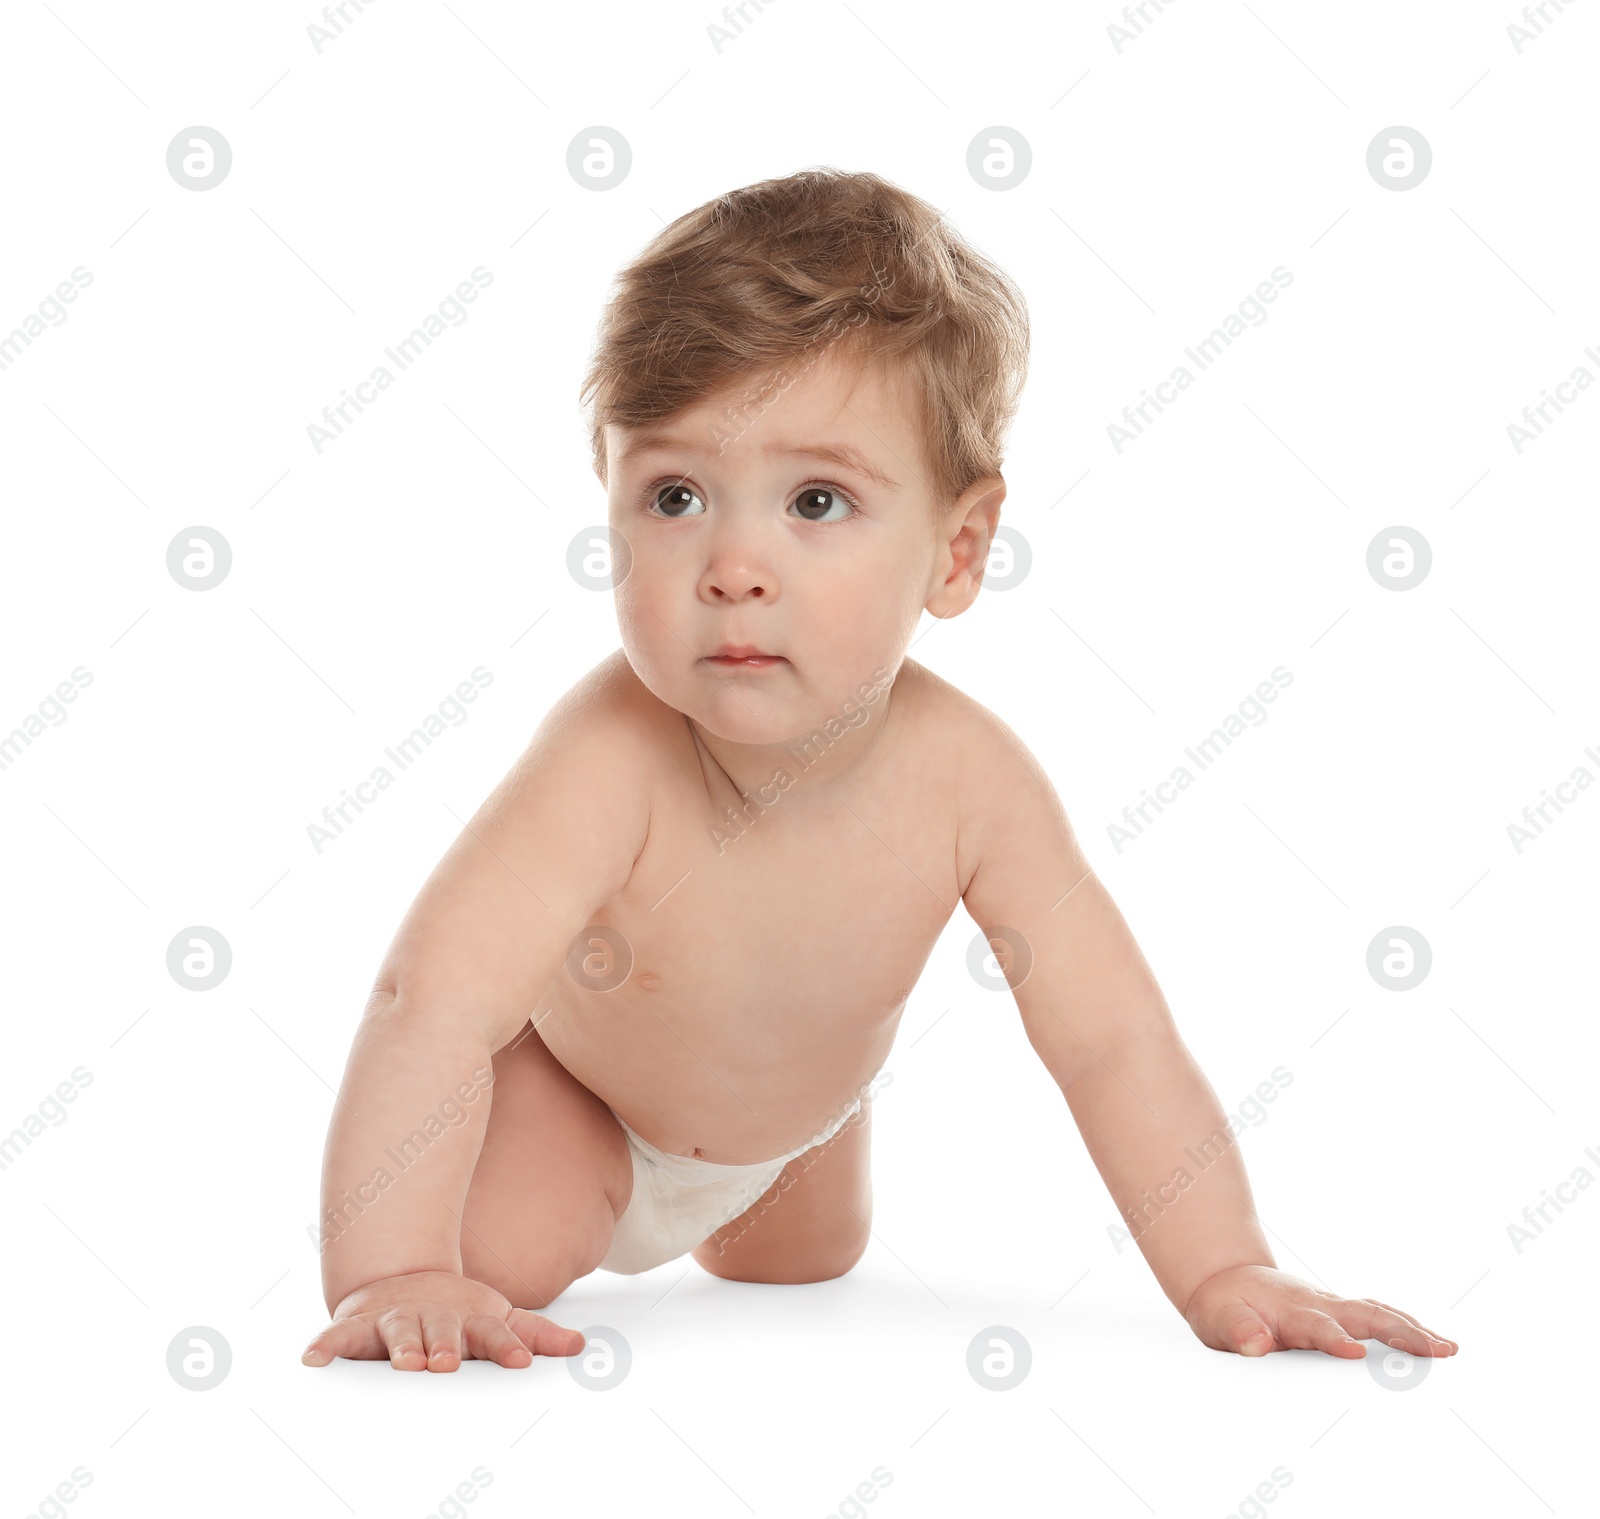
pixel 767 278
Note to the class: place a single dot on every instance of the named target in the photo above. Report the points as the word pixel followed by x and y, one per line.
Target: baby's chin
pixel 744 710
pixel 735 706
pixel 771 710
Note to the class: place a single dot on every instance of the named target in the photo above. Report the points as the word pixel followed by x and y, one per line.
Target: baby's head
pixel 800 400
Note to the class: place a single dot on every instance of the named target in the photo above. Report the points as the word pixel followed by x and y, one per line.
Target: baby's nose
pixel 737 577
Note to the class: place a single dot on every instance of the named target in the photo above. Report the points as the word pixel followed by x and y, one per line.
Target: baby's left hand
pixel 1255 1309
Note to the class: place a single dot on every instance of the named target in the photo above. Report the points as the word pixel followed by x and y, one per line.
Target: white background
pixel 1167 180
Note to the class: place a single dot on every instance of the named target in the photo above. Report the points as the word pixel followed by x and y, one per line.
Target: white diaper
pixel 679 1201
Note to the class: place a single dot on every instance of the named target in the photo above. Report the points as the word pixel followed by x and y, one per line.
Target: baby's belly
pixel 730 1083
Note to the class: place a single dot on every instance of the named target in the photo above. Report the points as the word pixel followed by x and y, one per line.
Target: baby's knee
pixel 525 1279
pixel 786 1268
pixel 533 1264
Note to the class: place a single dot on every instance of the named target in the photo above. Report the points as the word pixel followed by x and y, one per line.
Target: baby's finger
pixel 402 1333
pixel 356 1339
pixel 1367 1319
pixel 1307 1329
pixel 491 1339
pixel 541 1336
pixel 1240 1328
pixel 1415 1324
pixel 441 1338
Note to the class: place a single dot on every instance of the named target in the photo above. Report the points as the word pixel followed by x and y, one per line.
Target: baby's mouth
pixel 742 656
pixel 744 661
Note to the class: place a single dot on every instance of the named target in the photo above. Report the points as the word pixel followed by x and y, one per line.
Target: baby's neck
pixel 809 767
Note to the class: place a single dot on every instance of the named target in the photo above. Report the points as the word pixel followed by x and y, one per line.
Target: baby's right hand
pixel 418 1322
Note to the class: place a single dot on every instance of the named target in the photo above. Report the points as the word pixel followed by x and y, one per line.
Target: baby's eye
pixel 675 501
pixel 815 501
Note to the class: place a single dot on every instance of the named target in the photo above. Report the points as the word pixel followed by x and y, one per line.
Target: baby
pixel 637 1009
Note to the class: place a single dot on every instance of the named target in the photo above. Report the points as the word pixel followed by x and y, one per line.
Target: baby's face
pixel 802 525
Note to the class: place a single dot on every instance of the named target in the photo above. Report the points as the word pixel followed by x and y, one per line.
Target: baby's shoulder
pixel 609 724
pixel 973 741
pixel 1000 792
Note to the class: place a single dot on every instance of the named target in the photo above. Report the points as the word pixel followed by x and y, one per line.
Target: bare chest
pixel 757 961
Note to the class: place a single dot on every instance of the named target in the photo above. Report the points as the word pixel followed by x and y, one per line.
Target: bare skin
pixel 772 954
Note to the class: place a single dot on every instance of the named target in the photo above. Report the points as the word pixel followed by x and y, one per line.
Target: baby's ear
pixel 981 501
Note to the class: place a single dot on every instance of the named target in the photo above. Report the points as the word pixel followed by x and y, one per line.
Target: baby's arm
pixel 1096 1017
pixel 486 934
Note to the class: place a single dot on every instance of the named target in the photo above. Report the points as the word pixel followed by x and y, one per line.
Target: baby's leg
pixel 811 1224
pixel 551 1181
